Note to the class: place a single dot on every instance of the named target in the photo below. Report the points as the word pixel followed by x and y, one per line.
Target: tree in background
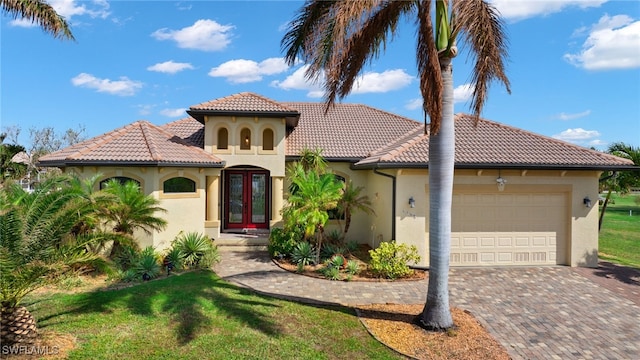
pixel 352 201
pixel 9 168
pixel 623 181
pixel 337 38
pixel 41 13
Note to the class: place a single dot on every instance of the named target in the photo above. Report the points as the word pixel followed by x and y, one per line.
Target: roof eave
pixel 68 163
pixel 422 165
pixel 291 117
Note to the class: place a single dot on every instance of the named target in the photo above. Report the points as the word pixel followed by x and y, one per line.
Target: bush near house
pixel 390 260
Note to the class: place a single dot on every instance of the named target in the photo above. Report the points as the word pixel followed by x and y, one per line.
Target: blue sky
pixel 574 66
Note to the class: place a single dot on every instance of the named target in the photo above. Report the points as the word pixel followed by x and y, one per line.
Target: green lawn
pixel 196 316
pixel 620 233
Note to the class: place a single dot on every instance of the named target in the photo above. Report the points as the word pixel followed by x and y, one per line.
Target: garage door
pixel 508 229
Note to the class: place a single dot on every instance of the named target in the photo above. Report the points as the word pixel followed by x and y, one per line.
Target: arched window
pixel 223 139
pixel 245 139
pixel 267 139
pixel 179 185
pixel 121 179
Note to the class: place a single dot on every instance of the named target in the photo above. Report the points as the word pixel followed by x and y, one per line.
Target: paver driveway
pixel 534 312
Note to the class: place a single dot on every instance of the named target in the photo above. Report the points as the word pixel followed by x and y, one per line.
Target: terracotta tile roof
pixel 139 143
pixel 245 103
pixel 189 129
pixel 493 144
pixel 347 131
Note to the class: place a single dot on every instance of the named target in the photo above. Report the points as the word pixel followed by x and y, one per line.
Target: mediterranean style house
pixel 519 198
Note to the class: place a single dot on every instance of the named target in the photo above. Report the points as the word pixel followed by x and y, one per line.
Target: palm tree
pixel 315 194
pixel 40 12
pixel 352 201
pixel 36 247
pixel 623 181
pixel 131 212
pixel 337 38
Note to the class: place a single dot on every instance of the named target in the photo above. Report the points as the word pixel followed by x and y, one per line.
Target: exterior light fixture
pixel 501 183
pixel 412 202
pixel 586 201
pixel 246 140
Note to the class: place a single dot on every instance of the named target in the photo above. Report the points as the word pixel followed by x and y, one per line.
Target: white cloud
pixel 298 81
pixel 462 93
pixel 414 104
pixel 172 112
pixel 577 135
pixel 373 82
pixel 520 10
pixel 613 43
pixel 566 117
pixel 70 8
pixel 244 71
pixel 205 35
pixel 144 109
pixel 170 67
pixel 123 87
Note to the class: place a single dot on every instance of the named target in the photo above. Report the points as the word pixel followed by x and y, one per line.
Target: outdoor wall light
pixel 412 202
pixel 586 201
pixel 501 183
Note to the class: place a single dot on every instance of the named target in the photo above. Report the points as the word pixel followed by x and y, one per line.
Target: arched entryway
pixel 246 198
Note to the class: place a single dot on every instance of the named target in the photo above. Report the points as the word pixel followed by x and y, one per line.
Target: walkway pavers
pixel 534 312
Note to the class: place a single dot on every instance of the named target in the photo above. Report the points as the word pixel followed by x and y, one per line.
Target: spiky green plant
pixel 303 254
pixel 197 249
pixel 148 265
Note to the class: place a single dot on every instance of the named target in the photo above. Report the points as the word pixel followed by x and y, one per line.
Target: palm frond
pixel 482 28
pixel 40 12
pixel 429 67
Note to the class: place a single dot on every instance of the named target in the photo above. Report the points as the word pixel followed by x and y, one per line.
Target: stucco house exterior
pixel 519 198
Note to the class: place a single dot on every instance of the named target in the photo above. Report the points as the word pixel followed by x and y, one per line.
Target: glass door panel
pixel 236 198
pixel 258 198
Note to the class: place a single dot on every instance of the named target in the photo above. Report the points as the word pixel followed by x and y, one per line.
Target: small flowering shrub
pixel 390 260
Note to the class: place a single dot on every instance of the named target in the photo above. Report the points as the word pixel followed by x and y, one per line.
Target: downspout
pixel 393 200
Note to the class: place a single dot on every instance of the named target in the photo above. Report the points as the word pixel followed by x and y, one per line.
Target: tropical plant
pixel 338 261
pixel 37 248
pixel 132 211
pixel 389 260
pixel 40 12
pixel 175 257
pixel 283 241
pixel 312 160
pixel 337 38
pixel 197 249
pixel 303 255
pixel 352 200
pixel 148 266
pixel 329 249
pixel 331 272
pixel 352 267
pixel 308 206
pixel 10 170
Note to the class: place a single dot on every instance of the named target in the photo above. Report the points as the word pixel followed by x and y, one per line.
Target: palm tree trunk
pixel 437 314
pixel 17 326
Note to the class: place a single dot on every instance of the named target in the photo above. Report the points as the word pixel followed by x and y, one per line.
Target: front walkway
pixel 534 312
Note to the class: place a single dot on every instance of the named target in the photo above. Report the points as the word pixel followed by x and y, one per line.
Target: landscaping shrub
pixel 303 255
pixel 282 242
pixel 390 260
pixel 352 268
pixel 331 272
pixel 197 249
pixel 126 257
pixel 338 261
pixel 352 246
pixel 175 257
pixel 328 250
pixel 148 266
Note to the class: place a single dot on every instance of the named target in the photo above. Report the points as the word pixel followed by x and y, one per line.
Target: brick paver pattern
pixel 534 312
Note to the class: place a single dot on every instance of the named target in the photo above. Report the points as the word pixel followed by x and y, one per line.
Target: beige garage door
pixel 508 229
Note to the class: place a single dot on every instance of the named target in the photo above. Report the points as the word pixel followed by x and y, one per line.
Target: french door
pixel 246 199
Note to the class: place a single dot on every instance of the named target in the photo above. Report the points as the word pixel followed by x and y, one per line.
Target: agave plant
pixel 197 249
pixel 148 265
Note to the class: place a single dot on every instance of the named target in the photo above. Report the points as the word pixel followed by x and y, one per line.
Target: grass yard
pixel 196 316
pixel 620 233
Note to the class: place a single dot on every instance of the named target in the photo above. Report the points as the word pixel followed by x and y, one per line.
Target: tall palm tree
pixel 35 247
pixel 132 211
pixel 337 38
pixel 40 12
